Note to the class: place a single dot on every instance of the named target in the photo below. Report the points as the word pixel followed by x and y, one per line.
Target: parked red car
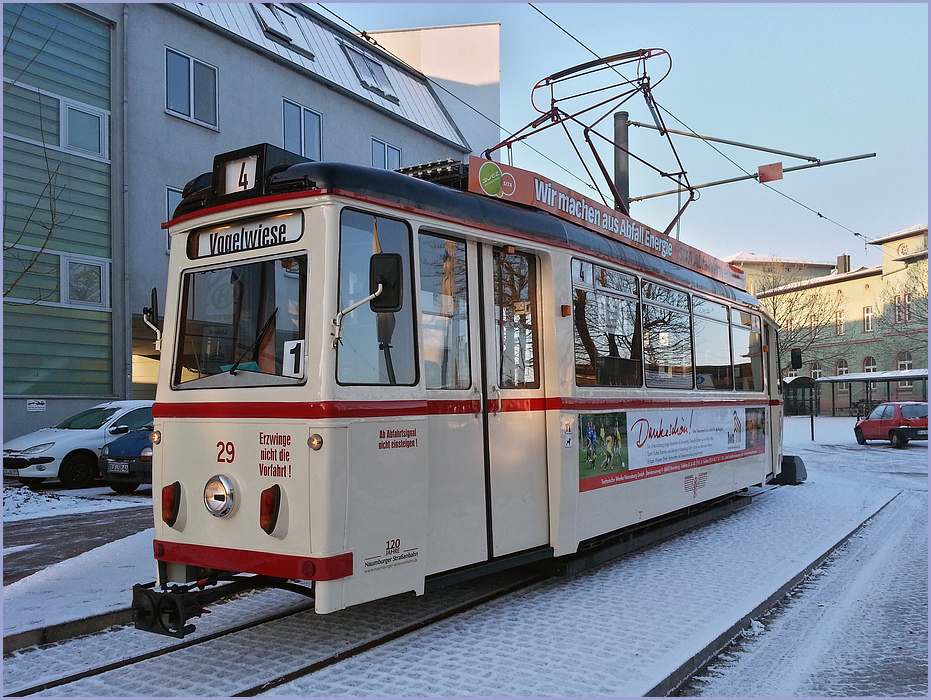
pixel 898 422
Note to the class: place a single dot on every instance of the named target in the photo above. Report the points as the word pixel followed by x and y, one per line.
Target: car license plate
pixel 118 467
pixel 11 472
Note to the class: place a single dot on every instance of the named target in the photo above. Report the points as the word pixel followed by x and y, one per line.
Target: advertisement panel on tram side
pixel 617 448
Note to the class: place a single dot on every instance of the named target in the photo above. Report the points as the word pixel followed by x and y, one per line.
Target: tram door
pixel 512 374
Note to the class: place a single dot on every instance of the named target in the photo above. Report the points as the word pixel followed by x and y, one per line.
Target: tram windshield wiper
pixel 258 341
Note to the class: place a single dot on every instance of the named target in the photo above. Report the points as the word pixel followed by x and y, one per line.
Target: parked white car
pixel 69 451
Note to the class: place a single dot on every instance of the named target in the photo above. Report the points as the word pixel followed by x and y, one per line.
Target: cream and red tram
pixel 369 380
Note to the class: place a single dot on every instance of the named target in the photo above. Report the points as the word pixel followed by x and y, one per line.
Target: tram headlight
pixel 219 496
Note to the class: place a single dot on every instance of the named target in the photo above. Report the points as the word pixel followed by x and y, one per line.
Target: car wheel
pixel 122 486
pixel 897 439
pixel 30 482
pixel 859 435
pixel 77 471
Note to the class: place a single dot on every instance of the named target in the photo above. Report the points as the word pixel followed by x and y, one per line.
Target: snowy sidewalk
pixel 622 629
pixel 626 627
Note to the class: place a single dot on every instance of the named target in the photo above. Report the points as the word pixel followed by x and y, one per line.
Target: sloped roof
pixel 320 51
pixel 906 233
pixel 757 259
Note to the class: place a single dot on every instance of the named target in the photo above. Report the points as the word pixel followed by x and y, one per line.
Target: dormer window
pixel 282 26
pixel 371 73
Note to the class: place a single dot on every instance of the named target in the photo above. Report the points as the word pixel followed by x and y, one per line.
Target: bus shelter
pixel 860 403
pixel 801 396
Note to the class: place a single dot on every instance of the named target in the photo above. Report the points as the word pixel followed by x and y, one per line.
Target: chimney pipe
pixel 843 264
pixel 622 161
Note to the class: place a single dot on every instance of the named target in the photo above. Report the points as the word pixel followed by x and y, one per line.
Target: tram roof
pixel 405 191
pixel 481 211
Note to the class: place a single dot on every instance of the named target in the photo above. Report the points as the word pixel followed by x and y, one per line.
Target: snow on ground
pixel 95 582
pixel 585 615
pixel 22 503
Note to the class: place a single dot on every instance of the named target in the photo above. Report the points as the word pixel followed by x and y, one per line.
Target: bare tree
pixel 43 217
pixel 904 304
pixel 805 311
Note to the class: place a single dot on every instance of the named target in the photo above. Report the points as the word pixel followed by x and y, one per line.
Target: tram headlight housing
pixel 219 496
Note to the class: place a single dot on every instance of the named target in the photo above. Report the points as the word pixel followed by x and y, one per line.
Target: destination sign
pixel 247 235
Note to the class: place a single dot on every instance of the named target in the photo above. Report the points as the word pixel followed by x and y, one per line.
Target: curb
pixel 66 630
pixel 667 686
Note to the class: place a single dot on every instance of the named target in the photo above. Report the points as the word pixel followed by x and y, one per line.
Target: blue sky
pixel 827 80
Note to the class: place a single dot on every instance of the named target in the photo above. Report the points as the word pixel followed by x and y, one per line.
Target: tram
pixel 370 380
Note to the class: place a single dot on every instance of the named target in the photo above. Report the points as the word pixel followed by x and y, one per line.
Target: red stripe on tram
pixel 254 562
pixel 379 409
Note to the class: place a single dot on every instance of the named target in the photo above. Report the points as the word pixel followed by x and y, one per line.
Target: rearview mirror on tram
pixel 150 317
pixel 385 269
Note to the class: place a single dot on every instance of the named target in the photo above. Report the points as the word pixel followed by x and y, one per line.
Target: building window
pixel 839 323
pixel 56 122
pixel 905 363
pixel 842 369
pixel 385 155
pixel 816 371
pixel 84 282
pixel 282 26
pixel 869 365
pixel 302 130
pixel 85 130
pixel 371 73
pixel 191 88
pixel 903 308
pixel 867 319
pixel 172 200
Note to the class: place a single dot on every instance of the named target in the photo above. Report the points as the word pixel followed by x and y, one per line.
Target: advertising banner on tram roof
pixel 524 187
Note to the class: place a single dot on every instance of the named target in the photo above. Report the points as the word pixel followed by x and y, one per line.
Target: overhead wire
pixel 558 165
pixel 435 84
pixel 735 164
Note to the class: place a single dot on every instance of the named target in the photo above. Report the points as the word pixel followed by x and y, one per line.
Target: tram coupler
pixel 168 611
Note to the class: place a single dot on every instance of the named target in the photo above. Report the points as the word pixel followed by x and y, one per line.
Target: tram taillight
pixel 171 503
pixel 269 506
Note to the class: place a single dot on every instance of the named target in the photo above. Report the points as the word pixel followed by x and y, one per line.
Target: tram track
pixel 123 663
pixel 210 647
pixel 336 637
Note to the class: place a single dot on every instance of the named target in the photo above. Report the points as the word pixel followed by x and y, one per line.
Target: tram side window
pixel 376 348
pixel 243 324
pixel 712 345
pixel 444 304
pixel 667 337
pixel 516 320
pixel 746 332
pixel 607 327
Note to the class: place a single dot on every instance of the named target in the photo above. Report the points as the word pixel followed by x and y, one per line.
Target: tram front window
pixel 243 325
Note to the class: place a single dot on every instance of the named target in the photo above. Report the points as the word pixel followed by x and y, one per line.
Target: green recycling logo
pixel 494 182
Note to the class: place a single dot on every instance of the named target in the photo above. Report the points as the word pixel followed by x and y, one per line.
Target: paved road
pixel 46 541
